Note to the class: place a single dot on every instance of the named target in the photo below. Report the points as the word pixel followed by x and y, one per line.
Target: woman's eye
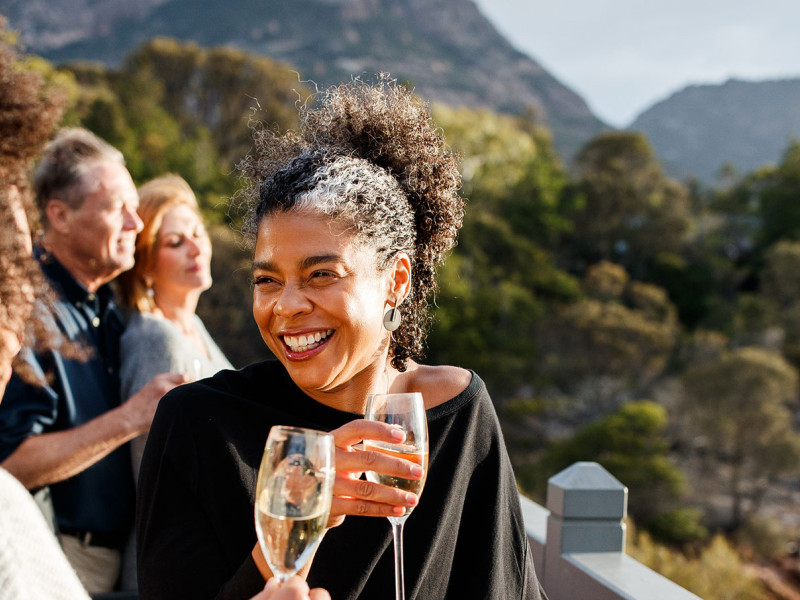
pixel 323 274
pixel 262 280
pixel 322 278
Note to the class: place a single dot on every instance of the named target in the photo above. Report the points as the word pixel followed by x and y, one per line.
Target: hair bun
pixel 387 125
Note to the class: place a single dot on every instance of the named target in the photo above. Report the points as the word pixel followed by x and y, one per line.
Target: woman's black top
pixel 195 523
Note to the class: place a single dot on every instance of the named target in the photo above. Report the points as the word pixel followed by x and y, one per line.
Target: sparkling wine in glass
pixel 293 496
pixel 406 411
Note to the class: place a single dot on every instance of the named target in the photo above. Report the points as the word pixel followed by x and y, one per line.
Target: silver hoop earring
pixel 392 318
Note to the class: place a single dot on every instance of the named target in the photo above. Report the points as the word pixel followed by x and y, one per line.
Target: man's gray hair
pixel 65 160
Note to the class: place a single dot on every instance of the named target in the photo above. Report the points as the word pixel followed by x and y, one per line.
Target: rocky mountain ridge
pixel 446 49
pixel 745 124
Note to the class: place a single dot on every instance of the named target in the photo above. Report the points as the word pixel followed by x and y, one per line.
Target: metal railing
pixel 578 541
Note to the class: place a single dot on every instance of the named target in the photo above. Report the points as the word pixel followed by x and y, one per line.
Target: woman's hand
pixel 354 496
pixel 294 589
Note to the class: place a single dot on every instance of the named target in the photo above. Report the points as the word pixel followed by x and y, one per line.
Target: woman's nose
pixel 292 302
pixel 193 247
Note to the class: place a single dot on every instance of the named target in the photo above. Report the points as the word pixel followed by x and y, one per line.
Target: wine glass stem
pixel 399 583
pixel 283 577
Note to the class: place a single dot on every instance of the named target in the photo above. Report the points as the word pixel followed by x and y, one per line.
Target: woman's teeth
pixel 302 343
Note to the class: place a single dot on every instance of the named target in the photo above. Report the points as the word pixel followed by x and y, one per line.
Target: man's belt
pixel 103 539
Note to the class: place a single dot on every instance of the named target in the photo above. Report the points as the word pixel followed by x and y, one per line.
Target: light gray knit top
pixel 153 345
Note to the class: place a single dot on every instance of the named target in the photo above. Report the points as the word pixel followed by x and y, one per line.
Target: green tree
pixel 780 287
pixel 623 206
pixel 494 291
pixel 715 572
pixel 741 403
pixel 176 107
pixel 502 277
pixel 778 190
pixel 126 109
pixel 633 446
pixel 509 169
pixel 601 348
pixel 221 89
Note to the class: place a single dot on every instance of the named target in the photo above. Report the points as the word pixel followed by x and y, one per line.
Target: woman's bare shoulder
pixel 437 384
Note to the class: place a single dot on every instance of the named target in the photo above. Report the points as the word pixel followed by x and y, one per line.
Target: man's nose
pixel 131 219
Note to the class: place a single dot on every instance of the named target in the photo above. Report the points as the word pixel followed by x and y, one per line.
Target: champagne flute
pixel 408 412
pixel 293 496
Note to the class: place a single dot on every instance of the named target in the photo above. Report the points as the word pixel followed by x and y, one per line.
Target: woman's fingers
pixel 367 493
pixel 354 460
pixel 343 506
pixel 353 432
pixel 352 495
pixel 367 499
pixel 294 589
pixel 360 460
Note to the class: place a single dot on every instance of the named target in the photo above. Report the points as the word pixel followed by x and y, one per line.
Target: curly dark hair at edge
pixel 30 111
pixel 368 156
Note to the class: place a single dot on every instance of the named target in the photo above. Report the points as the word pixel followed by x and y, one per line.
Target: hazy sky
pixel 622 56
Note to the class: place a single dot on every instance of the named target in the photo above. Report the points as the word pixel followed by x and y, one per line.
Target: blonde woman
pixel 164 335
pixel 173 267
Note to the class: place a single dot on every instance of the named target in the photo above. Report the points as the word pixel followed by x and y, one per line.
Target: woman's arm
pixel 183 551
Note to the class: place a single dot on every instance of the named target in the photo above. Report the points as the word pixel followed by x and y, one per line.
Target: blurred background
pixel 627 281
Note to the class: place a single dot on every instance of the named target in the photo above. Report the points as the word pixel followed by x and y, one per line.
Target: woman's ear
pixel 400 282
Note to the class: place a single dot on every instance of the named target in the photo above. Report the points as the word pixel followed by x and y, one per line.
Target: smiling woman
pixel 349 220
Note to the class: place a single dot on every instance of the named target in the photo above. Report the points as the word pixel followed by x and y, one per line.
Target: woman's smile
pixel 300 347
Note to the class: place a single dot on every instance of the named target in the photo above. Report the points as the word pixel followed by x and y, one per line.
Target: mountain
pixel 701 128
pixel 446 49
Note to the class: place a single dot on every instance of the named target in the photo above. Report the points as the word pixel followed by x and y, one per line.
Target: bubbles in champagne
pixel 291 513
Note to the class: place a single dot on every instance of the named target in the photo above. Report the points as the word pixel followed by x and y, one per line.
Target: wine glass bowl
pixel 407 411
pixel 293 496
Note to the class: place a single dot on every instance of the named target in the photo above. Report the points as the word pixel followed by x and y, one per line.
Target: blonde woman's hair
pixel 156 198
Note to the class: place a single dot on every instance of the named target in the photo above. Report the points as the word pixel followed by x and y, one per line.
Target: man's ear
pixel 400 273
pixel 58 215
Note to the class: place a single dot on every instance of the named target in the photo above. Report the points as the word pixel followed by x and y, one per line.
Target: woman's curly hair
pixel 30 111
pixel 368 156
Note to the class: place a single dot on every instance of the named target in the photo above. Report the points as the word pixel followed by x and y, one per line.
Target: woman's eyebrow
pixel 306 263
pixel 311 261
pixel 263 265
